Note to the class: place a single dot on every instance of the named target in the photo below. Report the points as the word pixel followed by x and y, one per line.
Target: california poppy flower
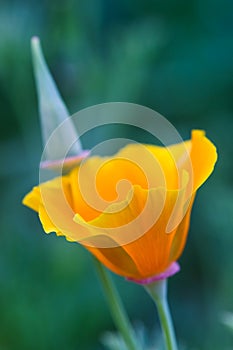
pixel 132 210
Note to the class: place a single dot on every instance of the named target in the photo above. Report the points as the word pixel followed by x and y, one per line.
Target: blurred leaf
pixel 114 341
pixel 227 320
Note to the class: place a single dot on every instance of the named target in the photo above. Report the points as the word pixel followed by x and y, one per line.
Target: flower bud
pixel 60 139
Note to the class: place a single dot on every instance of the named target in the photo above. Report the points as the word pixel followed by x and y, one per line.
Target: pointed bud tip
pixel 35 44
pixel 58 131
pixel 35 40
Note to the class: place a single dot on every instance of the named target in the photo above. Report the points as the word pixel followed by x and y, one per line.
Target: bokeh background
pixel 175 57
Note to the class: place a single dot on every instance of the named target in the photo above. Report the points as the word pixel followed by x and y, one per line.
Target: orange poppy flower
pixel 132 210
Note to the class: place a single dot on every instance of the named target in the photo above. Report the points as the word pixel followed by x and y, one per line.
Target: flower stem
pixel 118 312
pixel 158 292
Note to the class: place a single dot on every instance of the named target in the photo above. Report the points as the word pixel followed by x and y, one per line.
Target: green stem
pixel 158 292
pixel 118 312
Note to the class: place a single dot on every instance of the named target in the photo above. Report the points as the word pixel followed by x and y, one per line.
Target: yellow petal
pixel 53 202
pixel 197 156
pixel 203 157
pixel 32 199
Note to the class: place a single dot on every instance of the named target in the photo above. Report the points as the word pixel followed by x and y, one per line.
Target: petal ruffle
pixel 138 227
pixel 53 202
pixel 103 181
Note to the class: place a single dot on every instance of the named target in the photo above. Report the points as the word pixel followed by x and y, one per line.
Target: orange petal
pixel 83 190
pixel 152 251
pixel 137 226
pixel 168 165
pixel 127 220
pixel 116 259
pixel 102 181
pixel 180 236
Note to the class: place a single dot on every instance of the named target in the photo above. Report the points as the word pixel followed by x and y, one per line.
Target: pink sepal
pixel 68 162
pixel 170 271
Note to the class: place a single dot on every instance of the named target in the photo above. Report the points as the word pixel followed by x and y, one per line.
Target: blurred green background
pixel 175 57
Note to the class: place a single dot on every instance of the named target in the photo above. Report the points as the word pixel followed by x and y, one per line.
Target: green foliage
pixel 173 56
